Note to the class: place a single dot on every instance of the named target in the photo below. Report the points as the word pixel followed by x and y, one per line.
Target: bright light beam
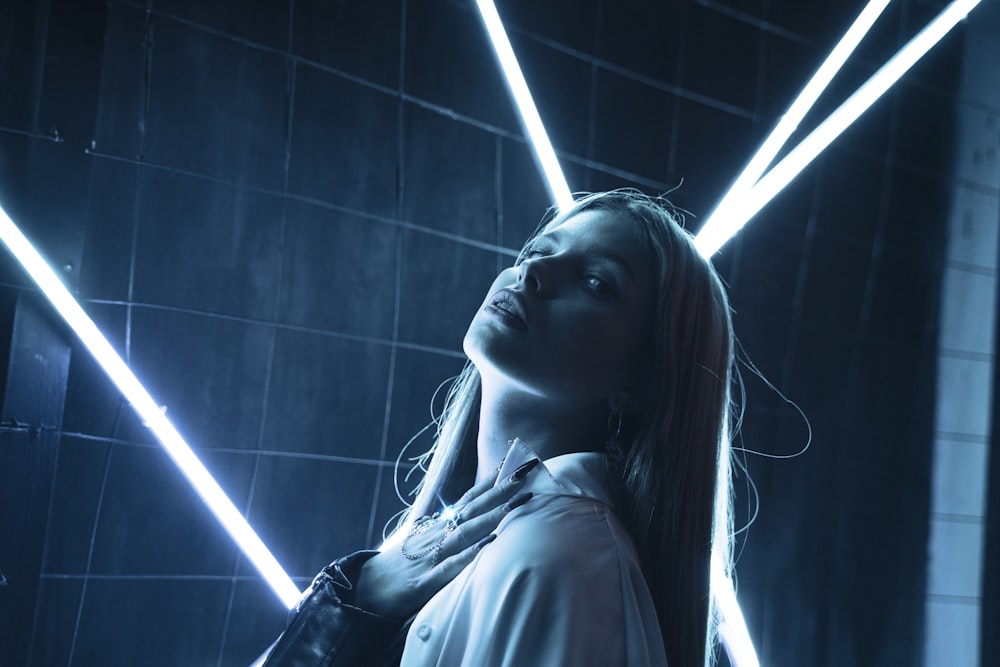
pixel 789 122
pixel 732 628
pixel 539 140
pixel 196 473
pixel 709 241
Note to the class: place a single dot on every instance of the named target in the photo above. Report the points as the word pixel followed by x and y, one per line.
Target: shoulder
pixel 565 542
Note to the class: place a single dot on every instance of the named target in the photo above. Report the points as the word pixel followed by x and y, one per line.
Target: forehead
pixel 599 230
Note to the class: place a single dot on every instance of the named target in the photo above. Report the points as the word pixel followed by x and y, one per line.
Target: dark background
pixel 283 214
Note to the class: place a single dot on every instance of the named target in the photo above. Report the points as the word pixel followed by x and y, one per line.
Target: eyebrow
pixel 600 254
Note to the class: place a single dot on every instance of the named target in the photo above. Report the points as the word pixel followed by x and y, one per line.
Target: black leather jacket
pixel 327 630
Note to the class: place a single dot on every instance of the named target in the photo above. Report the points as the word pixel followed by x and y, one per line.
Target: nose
pixel 532 274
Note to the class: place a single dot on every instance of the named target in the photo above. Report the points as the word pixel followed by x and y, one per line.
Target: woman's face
pixel 571 323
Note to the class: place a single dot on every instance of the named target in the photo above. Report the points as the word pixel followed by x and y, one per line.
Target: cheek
pixel 601 348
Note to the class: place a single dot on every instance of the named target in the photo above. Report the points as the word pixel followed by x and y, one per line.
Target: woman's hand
pixel 400 580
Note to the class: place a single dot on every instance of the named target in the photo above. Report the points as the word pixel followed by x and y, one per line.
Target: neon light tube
pixel 732 627
pixel 195 472
pixel 539 140
pixel 789 122
pixel 709 241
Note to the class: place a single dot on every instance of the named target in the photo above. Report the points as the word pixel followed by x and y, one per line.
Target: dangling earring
pixel 613 452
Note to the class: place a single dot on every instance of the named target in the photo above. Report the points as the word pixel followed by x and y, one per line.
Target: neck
pixel 549 430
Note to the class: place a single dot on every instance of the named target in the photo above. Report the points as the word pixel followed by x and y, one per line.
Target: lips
pixel 507 305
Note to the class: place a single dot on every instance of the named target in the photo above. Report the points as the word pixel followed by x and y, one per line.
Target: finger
pixel 486 485
pixel 476 491
pixel 469 533
pixel 495 496
pixel 448 568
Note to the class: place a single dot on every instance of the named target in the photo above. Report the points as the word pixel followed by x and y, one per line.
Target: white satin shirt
pixel 561 584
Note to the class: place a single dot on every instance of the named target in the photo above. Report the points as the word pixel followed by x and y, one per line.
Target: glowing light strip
pixel 196 473
pixel 789 122
pixel 710 240
pixel 539 140
pixel 732 628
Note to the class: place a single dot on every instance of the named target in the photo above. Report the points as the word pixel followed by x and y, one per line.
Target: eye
pixel 599 287
pixel 532 251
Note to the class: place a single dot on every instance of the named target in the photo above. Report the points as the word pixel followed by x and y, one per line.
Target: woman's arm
pixel 327 627
pixel 357 604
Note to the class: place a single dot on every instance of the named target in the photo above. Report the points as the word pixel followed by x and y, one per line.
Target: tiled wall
pixel 283 214
pixel 966 365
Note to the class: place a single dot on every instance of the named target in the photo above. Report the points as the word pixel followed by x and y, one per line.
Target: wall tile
pixel 338 272
pixel 344 148
pixel 560 86
pixel 569 22
pixel 955 565
pixel 850 192
pixel 644 37
pixel 964 393
pixel 216 107
pixel 358 38
pixel 872 133
pixel 710 149
pixel 754 290
pixel 152 522
pixel 917 208
pixel 980 84
pixel 256 619
pixel 327 396
pixel 727 74
pixel 524 196
pixel 903 298
pixel 938 68
pixel 449 175
pixel 311 511
pixel 388 505
pixel 442 286
pixel 72 70
pixel 787 65
pixel 58 602
pixel 156 622
pixel 120 126
pixel 821 24
pixel 817 381
pixel 960 470
pixel 926 129
pixel 75 499
pixel 973 228
pixel 417 375
pixel 968 311
pixel 977 146
pixel 209 372
pixel 886 369
pixel 262 22
pixel 952 634
pixel 218 245
pixel 632 125
pixel 94 405
pixel 111 212
pixel 442 37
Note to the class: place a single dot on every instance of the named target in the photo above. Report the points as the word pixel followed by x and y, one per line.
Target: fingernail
pixel 518 500
pixel 486 540
pixel 519 474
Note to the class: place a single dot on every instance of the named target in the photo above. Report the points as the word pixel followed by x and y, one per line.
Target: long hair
pixel 672 490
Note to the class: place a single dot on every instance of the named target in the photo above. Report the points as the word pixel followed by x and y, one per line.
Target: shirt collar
pixel 574 474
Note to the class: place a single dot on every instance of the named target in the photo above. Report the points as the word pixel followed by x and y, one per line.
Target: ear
pixel 626 400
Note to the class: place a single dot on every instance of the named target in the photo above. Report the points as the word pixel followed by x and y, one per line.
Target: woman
pixel 593 419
